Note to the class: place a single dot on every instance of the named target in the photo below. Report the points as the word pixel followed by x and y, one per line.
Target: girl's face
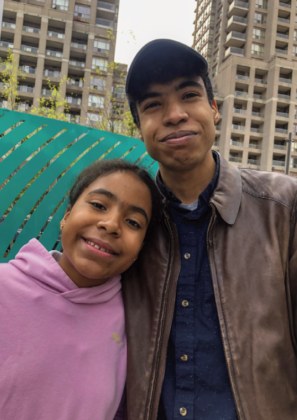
pixel 104 231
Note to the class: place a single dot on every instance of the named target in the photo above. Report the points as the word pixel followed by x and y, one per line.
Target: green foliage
pixel 10 76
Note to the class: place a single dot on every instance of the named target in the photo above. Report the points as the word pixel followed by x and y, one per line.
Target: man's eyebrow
pixel 104 192
pixel 148 95
pixel 189 83
pixel 141 211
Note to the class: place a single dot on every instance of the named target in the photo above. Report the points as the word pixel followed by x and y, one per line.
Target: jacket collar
pixel 227 194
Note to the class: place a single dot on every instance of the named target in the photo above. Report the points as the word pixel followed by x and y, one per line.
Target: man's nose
pixel 174 114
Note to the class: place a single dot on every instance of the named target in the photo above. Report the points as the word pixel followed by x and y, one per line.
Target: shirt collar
pixel 205 195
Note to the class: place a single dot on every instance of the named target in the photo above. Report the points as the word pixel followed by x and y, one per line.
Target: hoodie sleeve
pixel 121 410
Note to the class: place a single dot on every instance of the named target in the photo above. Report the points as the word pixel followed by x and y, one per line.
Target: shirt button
pixel 185 303
pixel 183 411
pixel 184 357
pixel 187 256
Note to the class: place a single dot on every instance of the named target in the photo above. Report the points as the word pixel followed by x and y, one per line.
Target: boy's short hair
pixel 162 61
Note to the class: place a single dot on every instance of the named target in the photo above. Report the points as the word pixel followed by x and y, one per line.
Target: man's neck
pixel 188 185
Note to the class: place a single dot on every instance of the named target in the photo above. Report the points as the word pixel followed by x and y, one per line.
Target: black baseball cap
pixel 160 53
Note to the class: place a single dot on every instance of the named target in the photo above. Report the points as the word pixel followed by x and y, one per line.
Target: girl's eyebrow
pixel 113 197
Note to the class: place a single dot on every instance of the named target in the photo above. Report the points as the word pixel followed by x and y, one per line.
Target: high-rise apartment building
pixel 251 48
pixel 52 39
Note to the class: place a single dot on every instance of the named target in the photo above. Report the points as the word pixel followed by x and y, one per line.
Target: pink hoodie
pixel 62 348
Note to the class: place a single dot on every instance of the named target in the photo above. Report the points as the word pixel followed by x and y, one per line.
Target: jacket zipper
pixel 163 320
pixel 210 226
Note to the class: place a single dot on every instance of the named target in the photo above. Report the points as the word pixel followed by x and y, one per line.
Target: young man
pixel 211 303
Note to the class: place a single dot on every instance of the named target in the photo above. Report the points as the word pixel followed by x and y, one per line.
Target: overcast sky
pixel 141 21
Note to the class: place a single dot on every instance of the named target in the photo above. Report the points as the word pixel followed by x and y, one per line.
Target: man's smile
pixel 179 137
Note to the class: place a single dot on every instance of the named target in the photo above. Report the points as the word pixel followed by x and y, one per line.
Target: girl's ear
pixel 65 217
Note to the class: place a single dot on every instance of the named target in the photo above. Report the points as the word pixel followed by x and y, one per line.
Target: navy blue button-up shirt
pixel 196 377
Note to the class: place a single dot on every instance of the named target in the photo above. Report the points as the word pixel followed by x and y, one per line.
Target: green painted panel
pixel 36 173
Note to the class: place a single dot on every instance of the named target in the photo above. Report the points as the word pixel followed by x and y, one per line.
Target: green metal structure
pixel 39 159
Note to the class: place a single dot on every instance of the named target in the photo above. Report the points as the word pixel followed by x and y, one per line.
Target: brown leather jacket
pixel 252 249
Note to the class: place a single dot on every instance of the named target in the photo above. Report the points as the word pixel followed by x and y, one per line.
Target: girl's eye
pixel 133 223
pixel 98 206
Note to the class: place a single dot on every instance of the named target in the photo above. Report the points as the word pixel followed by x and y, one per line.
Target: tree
pixel 55 106
pixel 10 76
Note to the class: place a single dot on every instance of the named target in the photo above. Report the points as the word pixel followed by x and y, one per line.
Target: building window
pixel 60 4
pixel 96 101
pixel 99 84
pixel 257 49
pixel 117 109
pixel 258 33
pixel 295 50
pixel 94 117
pixel 101 45
pixel 82 11
pixel 260 18
pixel 214 70
pixel 118 92
pixel 261 4
pixel 99 63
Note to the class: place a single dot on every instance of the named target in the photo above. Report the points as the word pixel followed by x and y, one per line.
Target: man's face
pixel 177 123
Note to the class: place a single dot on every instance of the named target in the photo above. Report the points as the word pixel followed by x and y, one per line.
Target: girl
pixel 62 340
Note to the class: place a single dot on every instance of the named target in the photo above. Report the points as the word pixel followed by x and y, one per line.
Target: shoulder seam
pixel 266 198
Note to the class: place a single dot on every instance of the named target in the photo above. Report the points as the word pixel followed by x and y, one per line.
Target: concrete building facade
pixel 251 48
pixel 52 39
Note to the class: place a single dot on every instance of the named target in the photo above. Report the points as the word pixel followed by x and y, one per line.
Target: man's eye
pixel 190 95
pixel 133 223
pixel 151 105
pixel 98 206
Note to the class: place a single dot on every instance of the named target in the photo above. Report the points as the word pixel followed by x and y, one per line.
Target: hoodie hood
pixel 42 266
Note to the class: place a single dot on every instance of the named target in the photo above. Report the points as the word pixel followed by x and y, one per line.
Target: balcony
pixel 24 88
pixel 282 114
pixel 239 93
pixel 236 23
pixel 217 127
pixel 72 100
pixel 287 5
pixel 283 96
pixel 257 114
pixel 78 83
pixel 283 80
pixel 238 8
pixel 280 146
pixel 281 130
pixel 235 159
pixel 279 51
pixel 73 118
pixel 29 49
pixel 56 34
pixel 255 146
pixel 258 53
pixel 106 6
pixel 238 127
pixel 278 163
pixel 46 92
pixel 239 111
pixel 58 54
pixel 257 96
pixel 79 46
pixel 76 63
pixel 257 80
pixel 51 73
pixel 256 130
pixel 8 25
pixel 280 35
pixel 240 77
pixel 6 44
pixel 22 107
pixel 28 69
pixel 235 39
pixel 283 20
pixel 253 162
pixel 31 29
pixel 236 143
pixel 105 23
pixel 235 51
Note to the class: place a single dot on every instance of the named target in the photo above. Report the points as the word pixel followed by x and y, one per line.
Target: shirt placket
pixel 184 338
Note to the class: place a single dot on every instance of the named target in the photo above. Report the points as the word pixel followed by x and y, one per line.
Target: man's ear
pixel 65 217
pixel 215 111
pixel 140 133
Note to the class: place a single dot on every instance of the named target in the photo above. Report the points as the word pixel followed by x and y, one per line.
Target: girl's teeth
pixel 98 247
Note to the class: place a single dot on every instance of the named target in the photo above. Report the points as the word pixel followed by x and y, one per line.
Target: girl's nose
pixel 111 224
